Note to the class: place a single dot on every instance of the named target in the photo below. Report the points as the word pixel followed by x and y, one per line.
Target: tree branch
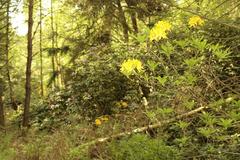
pixel 202 16
pixel 142 129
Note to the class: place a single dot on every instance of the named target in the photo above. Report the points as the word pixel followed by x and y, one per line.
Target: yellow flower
pixel 137 64
pixel 98 122
pixel 124 104
pixel 195 21
pixel 128 67
pixel 164 25
pixel 160 30
pixel 104 118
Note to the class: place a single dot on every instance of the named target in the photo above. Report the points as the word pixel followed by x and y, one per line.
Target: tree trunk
pixel 2 120
pixel 53 49
pixel 40 46
pixel 58 58
pixel 133 15
pixel 29 65
pixel 123 21
pixel 11 95
pixel 107 23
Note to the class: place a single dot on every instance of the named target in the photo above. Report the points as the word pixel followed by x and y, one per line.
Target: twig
pixel 202 16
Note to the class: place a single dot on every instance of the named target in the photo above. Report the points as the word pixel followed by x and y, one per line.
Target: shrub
pixel 142 147
pixel 7 152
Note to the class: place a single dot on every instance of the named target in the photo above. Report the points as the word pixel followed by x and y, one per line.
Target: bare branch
pixel 142 129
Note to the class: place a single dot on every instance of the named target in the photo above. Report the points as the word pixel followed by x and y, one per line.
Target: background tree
pixel 40 47
pixel 28 66
pixel 10 85
pixel 2 114
pixel 3 42
pixel 108 58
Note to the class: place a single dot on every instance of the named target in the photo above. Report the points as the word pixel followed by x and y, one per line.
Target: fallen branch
pixel 142 129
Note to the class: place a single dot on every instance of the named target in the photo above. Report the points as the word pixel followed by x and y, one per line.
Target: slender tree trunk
pixel 11 95
pixel 133 15
pixel 58 58
pixel 134 22
pixel 123 21
pixel 40 45
pixel 29 65
pixel 2 120
pixel 107 23
pixel 54 72
pixel 53 47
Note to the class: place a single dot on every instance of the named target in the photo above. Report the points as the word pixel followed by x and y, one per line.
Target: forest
pixel 119 79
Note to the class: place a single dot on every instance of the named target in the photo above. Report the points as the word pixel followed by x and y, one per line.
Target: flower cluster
pixel 122 104
pixel 130 66
pixel 160 31
pixel 101 119
pixel 98 122
pixel 195 21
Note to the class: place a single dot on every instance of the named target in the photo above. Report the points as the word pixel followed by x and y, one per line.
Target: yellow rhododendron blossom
pixel 128 67
pixel 195 21
pixel 160 30
pixel 164 25
pixel 124 104
pixel 104 118
pixel 98 122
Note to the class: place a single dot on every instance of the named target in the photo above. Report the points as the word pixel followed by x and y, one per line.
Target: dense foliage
pixel 122 79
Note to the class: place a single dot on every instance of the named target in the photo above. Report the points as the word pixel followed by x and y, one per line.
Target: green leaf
pixel 151 115
pixel 162 80
pixel 164 111
pixel 167 48
pixel 193 61
pixel 219 52
pixel 182 43
pixel 234 115
pixel 199 43
pixel 179 81
pixel 225 123
pixel 143 37
pixel 152 65
pixel 217 103
pixel 181 124
pixel 206 131
pixel 190 78
pixel 182 141
pixel 189 104
pixel 208 119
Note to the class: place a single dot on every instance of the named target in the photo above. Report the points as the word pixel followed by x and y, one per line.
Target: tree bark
pixel 53 48
pixel 123 21
pixel 25 122
pixel 11 95
pixel 2 119
pixel 58 58
pixel 106 36
pixel 133 15
pixel 40 46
